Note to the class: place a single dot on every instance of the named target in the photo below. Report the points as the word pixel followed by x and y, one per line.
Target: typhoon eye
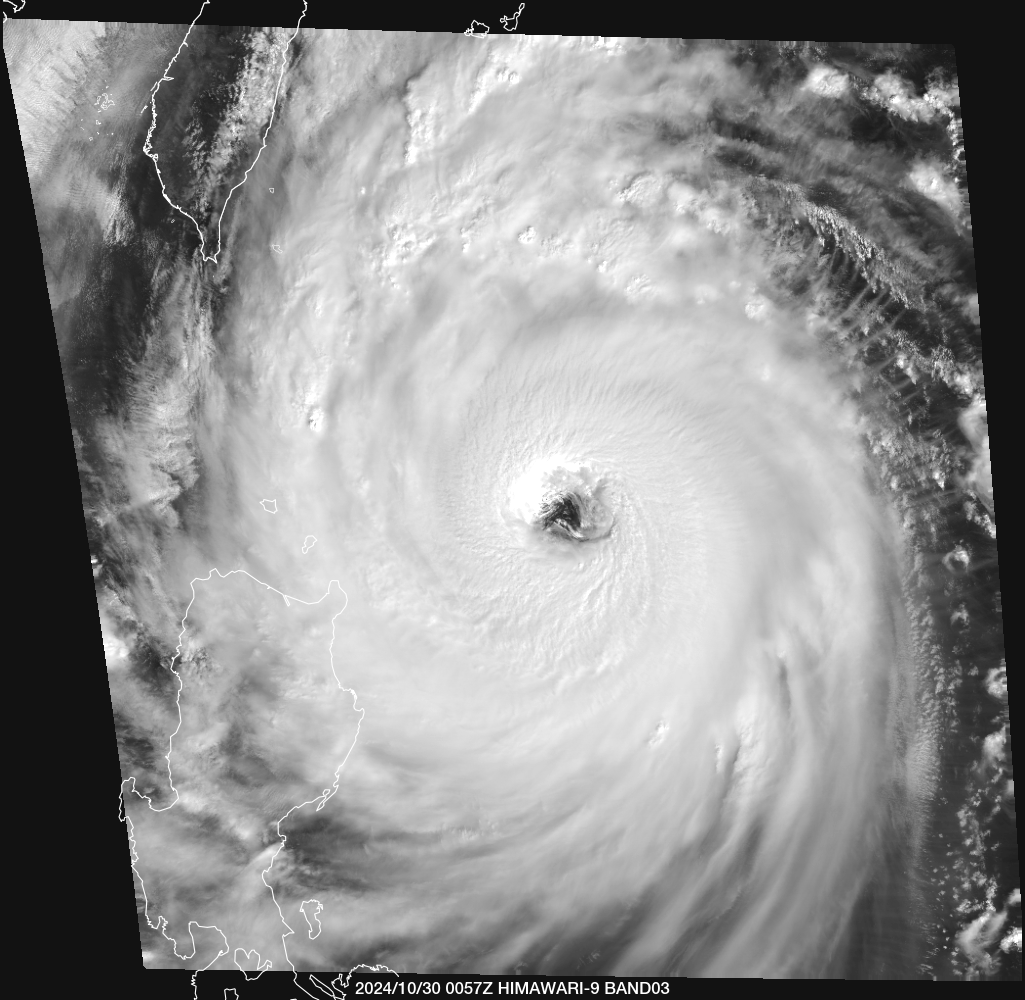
pixel 563 500
pixel 560 512
pixel 567 514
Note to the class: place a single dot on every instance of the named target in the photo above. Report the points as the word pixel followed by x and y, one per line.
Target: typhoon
pixel 631 392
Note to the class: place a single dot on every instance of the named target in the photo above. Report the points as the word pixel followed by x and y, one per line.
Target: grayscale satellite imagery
pixel 530 493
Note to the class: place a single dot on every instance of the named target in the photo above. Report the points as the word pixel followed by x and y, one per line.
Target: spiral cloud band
pixel 516 515
pixel 671 745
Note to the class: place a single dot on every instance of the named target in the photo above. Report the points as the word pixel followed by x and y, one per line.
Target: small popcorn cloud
pixel 898 95
pixel 931 180
pixel 827 82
